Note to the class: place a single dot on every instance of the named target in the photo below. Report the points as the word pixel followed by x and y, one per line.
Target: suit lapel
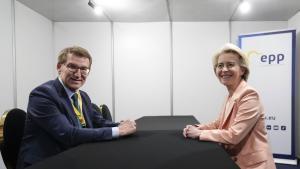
pixel 222 114
pixel 227 110
pixel 67 105
pixel 85 110
pixel 231 102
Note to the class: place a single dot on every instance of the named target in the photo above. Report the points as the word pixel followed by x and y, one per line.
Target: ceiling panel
pixel 202 10
pixel 64 10
pixel 157 10
pixel 269 10
pixel 137 10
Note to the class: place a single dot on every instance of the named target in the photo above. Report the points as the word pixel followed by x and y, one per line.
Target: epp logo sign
pixel 272 59
pixel 269 59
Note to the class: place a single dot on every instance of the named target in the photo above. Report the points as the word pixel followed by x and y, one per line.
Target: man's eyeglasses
pixel 83 70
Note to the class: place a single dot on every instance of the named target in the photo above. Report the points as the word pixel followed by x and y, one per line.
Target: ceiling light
pixel 245 7
pixel 97 9
pixel 92 4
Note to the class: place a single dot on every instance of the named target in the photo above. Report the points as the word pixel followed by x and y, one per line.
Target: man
pixel 60 116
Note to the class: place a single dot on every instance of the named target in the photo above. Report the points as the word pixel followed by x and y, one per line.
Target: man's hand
pixel 127 127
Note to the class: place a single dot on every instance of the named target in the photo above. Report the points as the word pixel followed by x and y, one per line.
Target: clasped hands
pixel 127 127
pixel 191 131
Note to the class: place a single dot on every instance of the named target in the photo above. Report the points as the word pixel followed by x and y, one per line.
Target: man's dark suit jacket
pixel 52 126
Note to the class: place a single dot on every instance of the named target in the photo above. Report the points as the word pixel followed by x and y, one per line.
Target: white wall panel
pixel 240 27
pixel 6 43
pixel 294 23
pixel 142 69
pixel 34 52
pixel 196 89
pixel 96 38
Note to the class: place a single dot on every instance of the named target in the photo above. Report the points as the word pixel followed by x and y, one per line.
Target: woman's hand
pixel 191 131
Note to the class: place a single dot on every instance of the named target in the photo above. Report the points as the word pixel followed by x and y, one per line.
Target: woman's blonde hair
pixel 231 48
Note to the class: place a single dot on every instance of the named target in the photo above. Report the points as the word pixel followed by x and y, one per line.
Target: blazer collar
pixel 60 88
pixel 238 91
pixel 65 100
pixel 230 101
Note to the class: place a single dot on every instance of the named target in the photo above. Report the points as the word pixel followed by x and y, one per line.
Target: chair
pixel 13 123
pixel 96 108
pixel 104 110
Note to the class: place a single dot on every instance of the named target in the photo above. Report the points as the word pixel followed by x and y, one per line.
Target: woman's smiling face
pixel 228 70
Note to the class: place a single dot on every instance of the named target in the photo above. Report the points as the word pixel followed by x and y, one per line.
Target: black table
pixel 154 146
pixel 151 123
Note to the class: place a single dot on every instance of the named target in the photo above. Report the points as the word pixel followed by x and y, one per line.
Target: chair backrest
pixel 96 107
pixel 13 128
pixel 105 112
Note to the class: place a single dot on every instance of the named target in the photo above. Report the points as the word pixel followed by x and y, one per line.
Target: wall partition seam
pixel 171 70
pixel 53 47
pixel 230 31
pixel 106 14
pixel 230 26
pixel 113 70
pixel 171 60
pixel 231 18
pixel 14 60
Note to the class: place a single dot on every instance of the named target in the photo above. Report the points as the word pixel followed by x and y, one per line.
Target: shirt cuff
pixel 115 132
pixel 199 136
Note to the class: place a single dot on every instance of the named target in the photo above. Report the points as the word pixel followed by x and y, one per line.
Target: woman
pixel 240 127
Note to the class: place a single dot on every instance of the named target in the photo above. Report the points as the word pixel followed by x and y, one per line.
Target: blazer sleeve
pixel 210 126
pixel 248 112
pixel 45 110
